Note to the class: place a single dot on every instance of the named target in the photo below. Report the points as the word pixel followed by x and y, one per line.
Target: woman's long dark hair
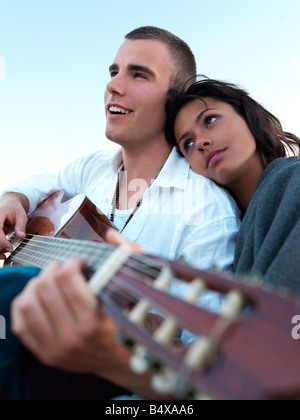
pixel 271 140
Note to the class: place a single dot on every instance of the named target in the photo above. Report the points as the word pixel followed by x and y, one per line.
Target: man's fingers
pixel 115 238
pixel 11 219
pixel 20 226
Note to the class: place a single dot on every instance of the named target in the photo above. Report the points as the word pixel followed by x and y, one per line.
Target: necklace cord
pixel 116 198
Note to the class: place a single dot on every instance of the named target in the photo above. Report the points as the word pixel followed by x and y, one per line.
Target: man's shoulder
pixel 102 155
pixel 98 158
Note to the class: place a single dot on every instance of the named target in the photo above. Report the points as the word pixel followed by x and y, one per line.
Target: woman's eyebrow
pixel 183 137
pixel 197 120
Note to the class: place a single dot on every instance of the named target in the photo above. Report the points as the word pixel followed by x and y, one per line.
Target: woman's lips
pixel 213 157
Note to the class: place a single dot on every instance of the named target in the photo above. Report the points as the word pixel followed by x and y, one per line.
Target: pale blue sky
pixel 54 58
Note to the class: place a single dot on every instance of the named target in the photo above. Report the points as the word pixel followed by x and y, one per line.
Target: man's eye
pixel 113 74
pixel 140 76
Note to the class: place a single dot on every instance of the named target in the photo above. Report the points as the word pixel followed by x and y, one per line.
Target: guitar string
pixel 32 251
pixel 136 270
pixel 78 246
pixel 64 244
pixel 141 267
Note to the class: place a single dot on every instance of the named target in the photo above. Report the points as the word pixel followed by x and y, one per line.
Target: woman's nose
pixel 203 142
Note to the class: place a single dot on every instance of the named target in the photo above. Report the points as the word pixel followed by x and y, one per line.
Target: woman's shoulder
pixel 282 169
pixel 284 164
pixel 280 181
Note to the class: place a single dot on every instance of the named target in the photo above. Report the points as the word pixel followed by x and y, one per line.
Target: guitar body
pixel 60 217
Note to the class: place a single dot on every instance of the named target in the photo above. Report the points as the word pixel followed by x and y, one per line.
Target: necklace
pixel 116 198
pixel 115 202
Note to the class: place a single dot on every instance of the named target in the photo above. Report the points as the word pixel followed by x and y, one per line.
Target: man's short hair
pixel 183 60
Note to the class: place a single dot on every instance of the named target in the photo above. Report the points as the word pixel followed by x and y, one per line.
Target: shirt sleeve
pixel 38 187
pixel 211 244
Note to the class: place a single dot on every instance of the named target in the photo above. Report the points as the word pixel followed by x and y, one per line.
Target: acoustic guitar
pixel 247 351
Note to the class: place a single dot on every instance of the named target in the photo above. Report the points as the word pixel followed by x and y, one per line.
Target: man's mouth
pixel 115 110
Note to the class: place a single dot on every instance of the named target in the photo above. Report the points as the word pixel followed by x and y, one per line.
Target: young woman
pixel 233 140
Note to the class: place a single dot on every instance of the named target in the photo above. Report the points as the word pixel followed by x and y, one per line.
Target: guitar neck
pixel 39 251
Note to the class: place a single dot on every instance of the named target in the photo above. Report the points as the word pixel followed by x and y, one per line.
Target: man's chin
pixel 115 138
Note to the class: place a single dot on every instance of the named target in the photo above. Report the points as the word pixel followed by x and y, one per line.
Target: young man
pixel 56 317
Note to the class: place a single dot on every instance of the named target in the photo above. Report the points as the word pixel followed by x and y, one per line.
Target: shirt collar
pixel 117 161
pixel 174 173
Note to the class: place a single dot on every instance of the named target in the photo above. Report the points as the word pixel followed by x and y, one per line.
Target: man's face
pixel 135 97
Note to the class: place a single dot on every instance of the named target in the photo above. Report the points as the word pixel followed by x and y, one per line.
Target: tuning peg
pixel 195 290
pixel 138 361
pixel 201 396
pixel 200 354
pixel 233 305
pixel 165 381
pixel 166 331
pixel 164 279
pixel 141 360
pixel 168 381
pixel 139 312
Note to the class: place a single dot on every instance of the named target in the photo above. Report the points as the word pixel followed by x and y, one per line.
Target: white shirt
pixel 183 215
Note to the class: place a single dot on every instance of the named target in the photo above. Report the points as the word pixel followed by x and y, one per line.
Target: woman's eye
pixel 187 145
pixel 210 120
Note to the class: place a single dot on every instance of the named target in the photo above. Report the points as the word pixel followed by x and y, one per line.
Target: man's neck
pixel 145 163
pixel 141 168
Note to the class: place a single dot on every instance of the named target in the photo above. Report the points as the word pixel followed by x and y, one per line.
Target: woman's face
pixel 216 140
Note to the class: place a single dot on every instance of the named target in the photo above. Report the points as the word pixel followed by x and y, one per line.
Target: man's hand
pixel 63 324
pixel 115 238
pixel 13 208
pixel 59 320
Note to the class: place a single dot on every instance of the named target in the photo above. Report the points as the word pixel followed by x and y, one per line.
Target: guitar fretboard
pixel 39 251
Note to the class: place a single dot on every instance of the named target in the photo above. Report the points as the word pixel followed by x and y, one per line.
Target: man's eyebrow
pixel 113 67
pixel 134 67
pixel 144 69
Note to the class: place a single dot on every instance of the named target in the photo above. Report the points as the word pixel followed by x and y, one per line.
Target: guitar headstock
pixel 246 351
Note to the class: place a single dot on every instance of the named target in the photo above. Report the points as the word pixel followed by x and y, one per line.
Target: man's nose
pixel 116 85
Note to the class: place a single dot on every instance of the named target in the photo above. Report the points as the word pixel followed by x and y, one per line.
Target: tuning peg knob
pixel 165 381
pixel 138 361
